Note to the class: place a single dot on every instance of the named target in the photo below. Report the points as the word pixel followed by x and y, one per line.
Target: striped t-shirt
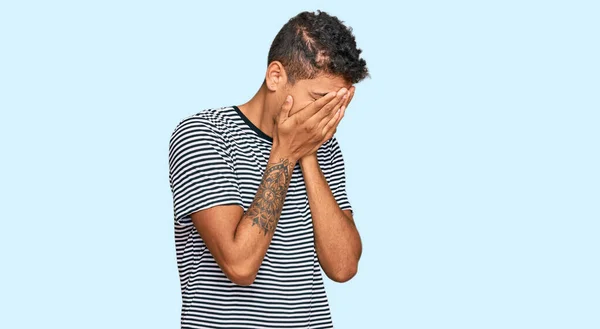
pixel 216 157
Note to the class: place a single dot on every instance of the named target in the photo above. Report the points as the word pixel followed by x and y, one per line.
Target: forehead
pixel 324 84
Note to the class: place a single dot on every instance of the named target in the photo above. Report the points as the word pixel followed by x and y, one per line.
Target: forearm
pixel 256 228
pixel 337 241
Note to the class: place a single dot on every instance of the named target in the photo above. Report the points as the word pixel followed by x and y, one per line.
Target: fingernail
pixel 288 98
pixel 345 96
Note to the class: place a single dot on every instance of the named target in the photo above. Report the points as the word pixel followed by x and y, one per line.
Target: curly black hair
pixel 310 44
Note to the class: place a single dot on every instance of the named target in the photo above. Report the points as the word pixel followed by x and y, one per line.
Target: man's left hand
pixel 342 111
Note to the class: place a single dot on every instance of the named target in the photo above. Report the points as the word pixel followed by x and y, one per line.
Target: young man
pixel 259 190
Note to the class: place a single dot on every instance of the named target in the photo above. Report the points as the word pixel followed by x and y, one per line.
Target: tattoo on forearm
pixel 266 207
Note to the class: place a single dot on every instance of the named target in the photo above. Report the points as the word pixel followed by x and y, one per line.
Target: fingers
pixel 350 95
pixel 341 105
pixel 329 109
pixel 329 129
pixel 314 107
pixel 285 109
pixel 352 90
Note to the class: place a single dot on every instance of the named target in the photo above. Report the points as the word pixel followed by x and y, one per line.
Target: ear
pixel 276 76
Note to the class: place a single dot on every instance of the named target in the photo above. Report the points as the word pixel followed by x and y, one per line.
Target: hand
pixel 299 134
pixel 343 108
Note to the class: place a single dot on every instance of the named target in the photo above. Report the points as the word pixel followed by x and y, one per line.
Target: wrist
pixel 277 153
pixel 308 160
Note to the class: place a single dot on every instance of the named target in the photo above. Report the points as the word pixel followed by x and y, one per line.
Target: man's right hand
pixel 299 134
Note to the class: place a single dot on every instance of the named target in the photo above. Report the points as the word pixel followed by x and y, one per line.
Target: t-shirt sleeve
pixel 337 176
pixel 201 172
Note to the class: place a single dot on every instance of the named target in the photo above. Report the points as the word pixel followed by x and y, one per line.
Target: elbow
pixel 344 276
pixel 243 281
pixel 239 269
pixel 241 275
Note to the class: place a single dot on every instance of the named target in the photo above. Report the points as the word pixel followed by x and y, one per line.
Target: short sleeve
pixel 337 176
pixel 201 171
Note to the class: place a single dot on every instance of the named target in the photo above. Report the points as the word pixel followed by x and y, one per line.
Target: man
pixel 259 190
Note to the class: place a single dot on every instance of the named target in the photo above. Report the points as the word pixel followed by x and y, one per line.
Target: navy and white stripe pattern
pixel 218 157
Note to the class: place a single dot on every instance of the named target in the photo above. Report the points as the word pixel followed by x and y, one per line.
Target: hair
pixel 311 44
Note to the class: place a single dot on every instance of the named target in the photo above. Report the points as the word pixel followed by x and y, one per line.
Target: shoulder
pixel 208 123
pixel 332 146
pixel 210 118
pixel 328 145
pixel 328 151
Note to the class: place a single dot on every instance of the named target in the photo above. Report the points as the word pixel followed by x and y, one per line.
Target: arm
pixel 239 241
pixel 207 195
pixel 205 186
pixel 337 241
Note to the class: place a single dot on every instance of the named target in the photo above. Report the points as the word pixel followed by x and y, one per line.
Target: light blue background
pixel 472 157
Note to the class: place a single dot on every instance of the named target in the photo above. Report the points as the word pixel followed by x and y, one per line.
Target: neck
pixel 260 110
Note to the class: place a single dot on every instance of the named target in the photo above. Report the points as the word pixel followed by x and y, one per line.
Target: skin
pixel 264 106
pixel 337 240
pixel 239 240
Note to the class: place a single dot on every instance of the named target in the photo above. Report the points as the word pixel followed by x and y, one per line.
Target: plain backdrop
pixel 472 157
